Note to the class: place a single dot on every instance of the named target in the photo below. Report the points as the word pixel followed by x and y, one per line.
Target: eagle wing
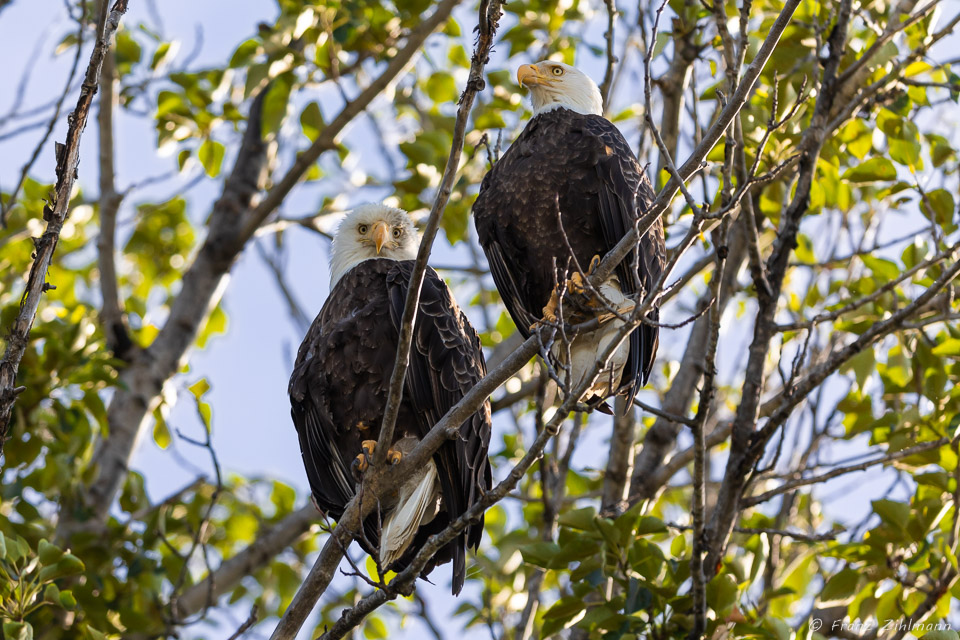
pixel 331 373
pixel 446 361
pixel 625 194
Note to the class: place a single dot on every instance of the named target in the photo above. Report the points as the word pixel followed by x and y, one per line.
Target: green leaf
pixel 51 594
pixel 886 269
pixel 17 631
pixel 580 519
pixel 840 587
pixel 199 388
pixel 650 524
pixel 442 88
pixel 68 565
pixel 48 553
pixel 161 431
pixel 540 554
pixel 873 170
pixel 949 347
pixel 939 206
pixel 67 600
pixel 244 53
pixel 127 49
pixel 283 497
pixel 210 155
pixel 722 592
pixel 160 55
pixel 892 512
pixel 311 121
pixel 678 546
pixel 275 105
pixel 375 629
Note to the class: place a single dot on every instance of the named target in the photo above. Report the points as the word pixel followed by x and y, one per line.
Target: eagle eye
pixel 362 229
pixel 397 232
pixel 558 71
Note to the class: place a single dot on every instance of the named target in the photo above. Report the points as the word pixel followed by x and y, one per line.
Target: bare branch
pixel 840 471
pixel 710 138
pixel 52 121
pixel 55 214
pixel 488 21
pixel 111 314
pixel 246 562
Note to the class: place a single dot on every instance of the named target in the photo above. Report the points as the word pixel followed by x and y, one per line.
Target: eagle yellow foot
pixel 550 310
pixel 575 285
pixel 363 460
pixel 394 456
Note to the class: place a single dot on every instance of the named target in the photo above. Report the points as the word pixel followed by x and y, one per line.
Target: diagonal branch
pixel 55 214
pixel 488 22
pixel 327 140
pixel 727 507
pixel 52 122
pixel 325 566
pixel 693 164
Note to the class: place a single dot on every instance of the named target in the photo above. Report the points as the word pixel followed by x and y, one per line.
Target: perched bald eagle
pixel 564 193
pixel 339 386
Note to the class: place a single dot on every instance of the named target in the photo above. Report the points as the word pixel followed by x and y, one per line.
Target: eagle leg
pixel 550 310
pixel 576 286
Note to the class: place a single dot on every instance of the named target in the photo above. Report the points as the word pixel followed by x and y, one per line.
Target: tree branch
pixel 726 509
pixel 111 314
pixel 840 471
pixel 246 562
pixel 489 19
pixel 693 164
pixel 55 214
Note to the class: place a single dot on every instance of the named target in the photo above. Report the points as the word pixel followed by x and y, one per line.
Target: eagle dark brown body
pixel 338 391
pixel 573 173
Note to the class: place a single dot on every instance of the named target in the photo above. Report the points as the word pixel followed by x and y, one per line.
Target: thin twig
pixel 68 159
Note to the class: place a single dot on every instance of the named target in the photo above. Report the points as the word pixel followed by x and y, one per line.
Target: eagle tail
pixel 403 522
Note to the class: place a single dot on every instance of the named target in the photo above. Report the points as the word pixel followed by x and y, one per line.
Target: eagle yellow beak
pixel 529 75
pixel 380 234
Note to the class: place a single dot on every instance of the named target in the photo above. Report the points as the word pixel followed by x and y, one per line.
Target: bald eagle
pixel 339 386
pixel 562 196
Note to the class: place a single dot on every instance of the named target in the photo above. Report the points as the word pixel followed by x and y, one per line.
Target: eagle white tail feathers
pixel 417 498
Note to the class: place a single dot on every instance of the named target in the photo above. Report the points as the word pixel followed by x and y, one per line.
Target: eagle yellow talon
pixel 394 456
pixel 550 311
pixel 575 284
pixel 362 462
pixel 594 263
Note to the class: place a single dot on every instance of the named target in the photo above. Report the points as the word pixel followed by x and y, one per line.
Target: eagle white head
pixel 554 85
pixel 372 231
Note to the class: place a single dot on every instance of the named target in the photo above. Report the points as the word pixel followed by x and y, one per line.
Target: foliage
pixel 879 228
